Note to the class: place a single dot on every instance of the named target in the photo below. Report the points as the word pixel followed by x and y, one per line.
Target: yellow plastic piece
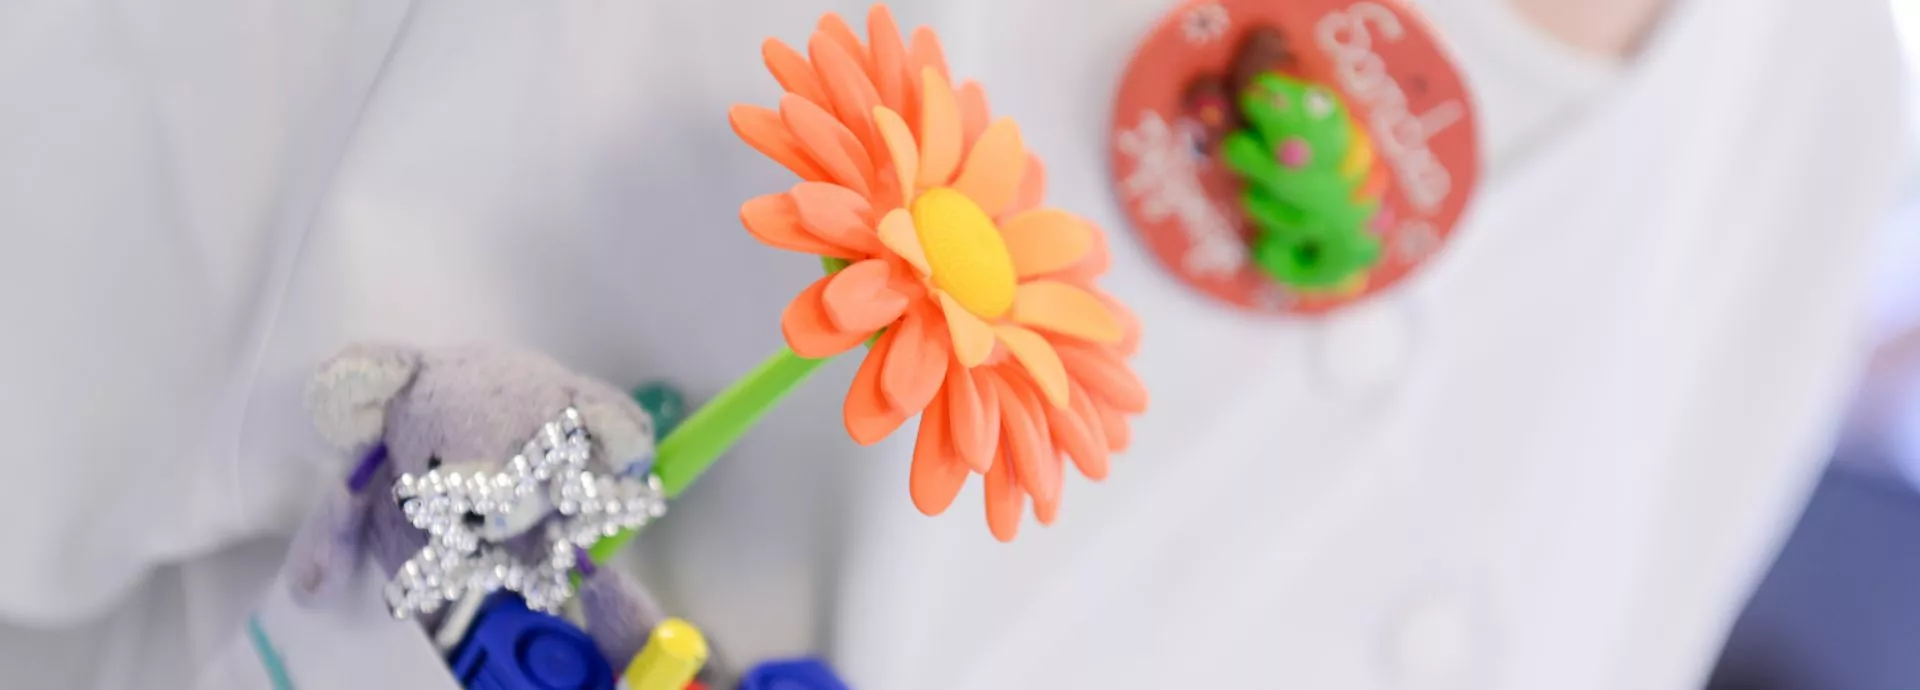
pixel 1360 154
pixel 673 656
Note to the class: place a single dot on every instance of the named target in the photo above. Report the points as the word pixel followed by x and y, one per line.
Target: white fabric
pixel 326 647
pixel 163 163
pixel 1591 420
pixel 1529 86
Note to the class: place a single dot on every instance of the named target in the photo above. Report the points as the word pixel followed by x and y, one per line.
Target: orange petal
pixel 1005 500
pixel 1113 426
pixel 808 330
pixel 1035 463
pixel 972 338
pixel 923 51
pixel 1093 265
pixel 900 148
pixel 1107 378
pixel 773 219
pixel 918 363
pixel 1033 187
pixel 992 172
pixel 974 412
pixel 765 132
pixel 792 71
pixel 937 474
pixel 906 279
pixel 1051 464
pixel 939 131
pixel 836 214
pixel 972 100
pixel 1045 241
pixel 828 143
pixel 1077 431
pixel 899 235
pixel 887 55
pixel 858 300
pixel 1129 325
pixel 868 416
pixel 1038 357
pixel 1046 510
pixel 1061 308
pixel 849 87
pixel 836 29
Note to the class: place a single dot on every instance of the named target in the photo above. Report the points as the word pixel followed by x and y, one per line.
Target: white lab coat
pixel 1556 458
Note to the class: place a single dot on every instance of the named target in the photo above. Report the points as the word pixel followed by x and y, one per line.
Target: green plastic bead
pixel 665 402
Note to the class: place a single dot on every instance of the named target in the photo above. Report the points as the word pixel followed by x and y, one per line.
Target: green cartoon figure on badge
pixel 1311 188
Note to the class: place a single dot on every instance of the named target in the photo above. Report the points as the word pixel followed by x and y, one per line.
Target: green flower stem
pixel 693 446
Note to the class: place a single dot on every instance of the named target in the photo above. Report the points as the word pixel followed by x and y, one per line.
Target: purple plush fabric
pixel 463 410
pixel 620 614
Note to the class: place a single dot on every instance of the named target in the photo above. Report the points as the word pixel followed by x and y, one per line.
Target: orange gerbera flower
pixel 988 320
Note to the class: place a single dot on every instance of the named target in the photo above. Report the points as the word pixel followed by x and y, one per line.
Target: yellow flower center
pixel 964 249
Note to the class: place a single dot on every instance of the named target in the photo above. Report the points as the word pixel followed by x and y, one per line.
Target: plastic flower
pixel 978 302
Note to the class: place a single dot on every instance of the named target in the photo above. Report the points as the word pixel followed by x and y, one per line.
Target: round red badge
pixel 1293 155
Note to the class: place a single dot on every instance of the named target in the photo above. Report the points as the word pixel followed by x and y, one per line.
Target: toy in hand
pixel 1311 189
pixel 474 476
pixel 980 304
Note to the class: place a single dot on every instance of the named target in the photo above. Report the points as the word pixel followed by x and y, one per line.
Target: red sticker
pixel 1178 102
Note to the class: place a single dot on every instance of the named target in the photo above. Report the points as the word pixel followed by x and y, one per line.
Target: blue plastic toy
pixel 513 648
pixel 792 674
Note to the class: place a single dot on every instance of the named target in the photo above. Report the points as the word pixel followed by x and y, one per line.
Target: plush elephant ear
pixel 622 431
pixel 348 396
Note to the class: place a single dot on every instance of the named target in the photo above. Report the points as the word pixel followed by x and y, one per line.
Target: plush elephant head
pixel 396 410
pixel 466 407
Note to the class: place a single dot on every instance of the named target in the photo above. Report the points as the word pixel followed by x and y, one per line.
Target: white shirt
pixel 1557 457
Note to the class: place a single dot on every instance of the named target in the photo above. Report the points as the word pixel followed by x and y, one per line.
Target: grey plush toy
pixel 480 415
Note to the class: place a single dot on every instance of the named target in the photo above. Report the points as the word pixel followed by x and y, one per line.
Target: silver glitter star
pixel 552 467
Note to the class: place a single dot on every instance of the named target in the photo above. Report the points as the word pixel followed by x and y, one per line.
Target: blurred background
pixel 1840 609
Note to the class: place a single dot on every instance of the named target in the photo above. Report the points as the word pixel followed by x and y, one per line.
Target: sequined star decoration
pixel 550 471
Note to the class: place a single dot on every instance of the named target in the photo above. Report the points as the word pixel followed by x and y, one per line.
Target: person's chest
pixel 1482 442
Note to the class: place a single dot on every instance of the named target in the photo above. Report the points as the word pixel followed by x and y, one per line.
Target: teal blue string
pixel 269 659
